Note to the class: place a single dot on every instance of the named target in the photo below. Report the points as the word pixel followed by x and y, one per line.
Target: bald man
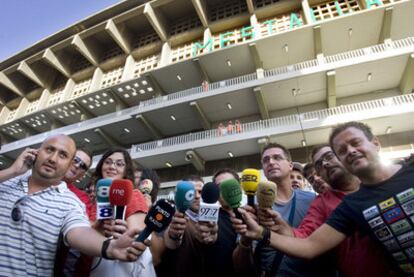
pixel 37 208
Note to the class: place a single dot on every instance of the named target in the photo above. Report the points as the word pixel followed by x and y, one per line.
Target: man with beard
pixel 348 254
pixel 317 183
pixel 37 207
pixel 381 208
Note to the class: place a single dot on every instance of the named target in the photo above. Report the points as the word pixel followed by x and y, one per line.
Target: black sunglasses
pixel 81 163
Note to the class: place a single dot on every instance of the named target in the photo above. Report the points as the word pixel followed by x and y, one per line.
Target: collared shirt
pixel 30 225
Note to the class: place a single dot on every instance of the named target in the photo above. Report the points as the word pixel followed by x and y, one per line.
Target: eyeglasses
pixel 82 164
pixel 327 157
pixel 276 158
pixel 117 163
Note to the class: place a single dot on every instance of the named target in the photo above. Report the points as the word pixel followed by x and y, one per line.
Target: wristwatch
pixel 104 248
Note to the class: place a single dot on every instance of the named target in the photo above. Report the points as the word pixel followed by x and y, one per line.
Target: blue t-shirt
pixel 290 266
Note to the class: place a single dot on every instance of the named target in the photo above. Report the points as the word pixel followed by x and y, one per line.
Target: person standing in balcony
pixel 230 127
pixel 238 126
pixel 204 85
pixel 221 130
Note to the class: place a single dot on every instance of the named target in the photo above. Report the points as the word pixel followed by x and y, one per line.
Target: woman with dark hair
pixel 116 163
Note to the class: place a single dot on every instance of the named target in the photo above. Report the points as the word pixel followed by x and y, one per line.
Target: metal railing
pixel 385 106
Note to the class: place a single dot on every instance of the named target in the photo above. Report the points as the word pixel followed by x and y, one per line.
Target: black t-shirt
pixel 219 256
pixel 386 212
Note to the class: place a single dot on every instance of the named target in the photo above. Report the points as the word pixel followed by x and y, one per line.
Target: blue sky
pixel 25 22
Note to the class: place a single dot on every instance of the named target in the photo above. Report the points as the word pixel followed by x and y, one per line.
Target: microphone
pixel 104 209
pixel 249 180
pixel 266 194
pixel 158 218
pixel 232 194
pixel 184 195
pixel 209 208
pixel 120 195
pixel 145 186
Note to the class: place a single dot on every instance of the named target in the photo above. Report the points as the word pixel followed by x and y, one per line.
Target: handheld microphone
pixel 120 195
pixel 104 209
pixel 184 195
pixel 249 180
pixel 158 218
pixel 145 186
pixel 266 194
pixel 232 194
pixel 209 208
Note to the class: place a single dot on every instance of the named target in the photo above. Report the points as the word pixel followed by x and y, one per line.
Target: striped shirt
pixel 30 225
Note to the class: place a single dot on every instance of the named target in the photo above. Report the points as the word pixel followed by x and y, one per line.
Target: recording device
pixel 209 208
pixel 249 180
pixel 104 209
pixel 266 194
pixel 184 195
pixel 158 218
pixel 145 186
pixel 120 194
pixel 232 194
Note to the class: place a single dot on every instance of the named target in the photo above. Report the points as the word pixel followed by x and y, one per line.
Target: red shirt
pixel 358 255
pixel 83 196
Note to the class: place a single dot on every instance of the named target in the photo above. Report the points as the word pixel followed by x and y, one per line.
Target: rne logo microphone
pixel 120 192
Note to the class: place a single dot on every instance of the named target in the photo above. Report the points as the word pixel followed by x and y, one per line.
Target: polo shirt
pixel 29 236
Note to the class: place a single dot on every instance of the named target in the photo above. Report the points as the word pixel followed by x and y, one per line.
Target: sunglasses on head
pixel 81 163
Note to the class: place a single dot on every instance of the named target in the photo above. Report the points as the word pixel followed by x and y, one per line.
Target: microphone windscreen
pixel 184 195
pixel 120 193
pixel 266 194
pixel 102 190
pixel 210 193
pixel 160 215
pixel 145 186
pixel 231 192
pixel 249 180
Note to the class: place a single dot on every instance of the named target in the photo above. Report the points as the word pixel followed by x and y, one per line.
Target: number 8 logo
pixel 105 212
pixel 103 191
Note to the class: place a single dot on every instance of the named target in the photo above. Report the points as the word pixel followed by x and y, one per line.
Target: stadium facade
pixel 158 77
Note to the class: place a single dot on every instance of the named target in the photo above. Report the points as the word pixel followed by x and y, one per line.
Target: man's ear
pixel 291 165
pixel 377 143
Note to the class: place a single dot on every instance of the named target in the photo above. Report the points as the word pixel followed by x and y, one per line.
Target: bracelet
pixel 265 240
pixel 104 248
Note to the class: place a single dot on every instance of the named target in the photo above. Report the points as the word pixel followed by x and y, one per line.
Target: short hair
pixel 355 124
pixel 226 170
pixel 297 167
pixel 194 178
pixel 316 149
pixel 277 145
pixel 87 152
pixel 307 169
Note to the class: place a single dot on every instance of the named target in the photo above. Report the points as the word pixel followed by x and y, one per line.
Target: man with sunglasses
pixel 80 165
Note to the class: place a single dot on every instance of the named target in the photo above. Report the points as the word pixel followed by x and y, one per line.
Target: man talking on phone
pixel 37 207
